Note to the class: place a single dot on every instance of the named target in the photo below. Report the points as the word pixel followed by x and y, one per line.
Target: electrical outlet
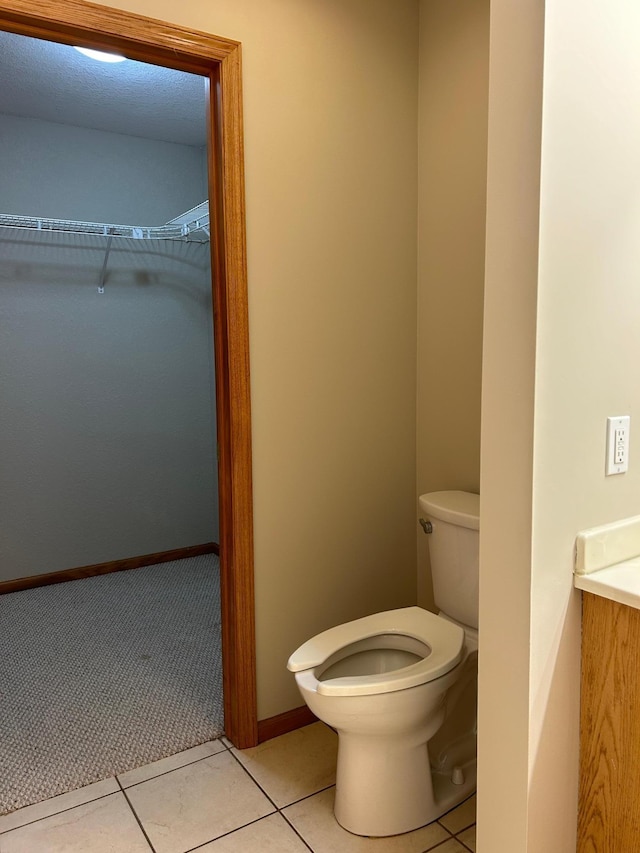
pixel 617 461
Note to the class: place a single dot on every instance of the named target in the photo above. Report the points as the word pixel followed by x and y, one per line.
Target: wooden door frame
pixel 218 59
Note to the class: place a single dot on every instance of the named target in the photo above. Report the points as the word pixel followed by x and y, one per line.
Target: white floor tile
pixel 102 826
pixel 197 803
pixel 58 804
pixel 315 821
pixel 164 765
pixel 270 835
pixel 294 765
pixel 461 817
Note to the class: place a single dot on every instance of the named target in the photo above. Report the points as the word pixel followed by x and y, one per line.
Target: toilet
pixel 400 688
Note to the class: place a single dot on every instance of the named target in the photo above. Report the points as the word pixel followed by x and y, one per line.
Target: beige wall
pixel 330 91
pixel 452 173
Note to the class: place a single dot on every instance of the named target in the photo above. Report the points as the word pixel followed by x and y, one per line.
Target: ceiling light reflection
pixel 100 55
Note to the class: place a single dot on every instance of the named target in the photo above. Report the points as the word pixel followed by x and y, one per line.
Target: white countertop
pixel 620 582
pixel 608 561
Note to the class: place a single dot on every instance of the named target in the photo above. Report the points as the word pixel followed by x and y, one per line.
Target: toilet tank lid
pixel 461 508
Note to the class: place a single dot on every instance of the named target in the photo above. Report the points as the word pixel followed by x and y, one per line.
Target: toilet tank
pixel 453 551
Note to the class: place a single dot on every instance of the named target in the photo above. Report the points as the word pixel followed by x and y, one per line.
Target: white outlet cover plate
pixel 622 422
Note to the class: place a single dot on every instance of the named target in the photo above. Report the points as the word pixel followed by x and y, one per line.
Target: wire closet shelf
pixel 195 220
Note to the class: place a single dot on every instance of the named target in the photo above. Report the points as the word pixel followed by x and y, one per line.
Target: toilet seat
pixel 445 640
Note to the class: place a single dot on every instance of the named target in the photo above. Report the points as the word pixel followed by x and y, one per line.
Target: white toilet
pixel 400 688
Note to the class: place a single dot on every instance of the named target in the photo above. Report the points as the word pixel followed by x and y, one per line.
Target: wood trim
pixel 609 791
pixel 283 723
pixel 219 59
pixel 231 334
pixel 33 581
pixel 103 27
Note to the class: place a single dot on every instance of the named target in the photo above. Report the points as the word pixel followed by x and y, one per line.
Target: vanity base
pixel 609 800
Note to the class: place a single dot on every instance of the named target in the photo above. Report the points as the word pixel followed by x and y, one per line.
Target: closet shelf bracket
pixel 103 273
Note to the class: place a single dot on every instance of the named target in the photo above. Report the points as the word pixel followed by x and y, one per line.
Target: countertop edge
pixel 607 583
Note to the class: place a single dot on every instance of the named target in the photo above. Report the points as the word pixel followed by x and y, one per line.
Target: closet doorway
pixel 74 22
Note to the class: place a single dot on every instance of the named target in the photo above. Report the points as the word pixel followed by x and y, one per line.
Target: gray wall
pixel 107 425
pixel 65 172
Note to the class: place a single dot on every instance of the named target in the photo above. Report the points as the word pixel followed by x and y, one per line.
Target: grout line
pixel 462 828
pixel 284 817
pixel 230 832
pixel 293 802
pixel 445 828
pixel 135 814
pixel 61 811
pixel 458 805
pixel 308 796
pixel 255 782
pixel 460 841
pixel 166 772
pixel 279 809
pixel 442 843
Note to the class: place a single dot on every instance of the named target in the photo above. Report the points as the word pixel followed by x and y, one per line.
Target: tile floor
pixel 276 798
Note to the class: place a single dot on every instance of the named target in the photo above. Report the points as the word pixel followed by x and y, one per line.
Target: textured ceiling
pixel 54 82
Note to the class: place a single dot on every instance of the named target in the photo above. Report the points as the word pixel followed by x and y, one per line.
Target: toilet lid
pixel 444 638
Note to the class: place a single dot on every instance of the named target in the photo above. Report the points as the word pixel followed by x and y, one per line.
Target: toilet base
pixel 367 805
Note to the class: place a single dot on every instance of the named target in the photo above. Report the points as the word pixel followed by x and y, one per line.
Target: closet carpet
pixel 101 675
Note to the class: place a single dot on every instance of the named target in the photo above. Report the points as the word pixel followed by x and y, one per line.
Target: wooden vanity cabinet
pixel 609 799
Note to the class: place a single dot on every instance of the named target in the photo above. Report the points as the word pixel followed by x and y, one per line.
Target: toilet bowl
pixel 399 687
